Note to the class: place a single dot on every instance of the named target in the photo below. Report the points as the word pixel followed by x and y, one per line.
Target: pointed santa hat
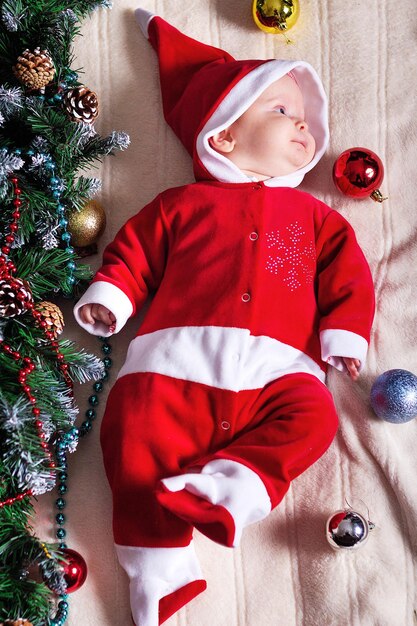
pixel 204 90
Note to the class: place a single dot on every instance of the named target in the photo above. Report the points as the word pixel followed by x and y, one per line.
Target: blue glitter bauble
pixel 394 396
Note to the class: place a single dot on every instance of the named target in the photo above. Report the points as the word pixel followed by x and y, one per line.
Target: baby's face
pixel 271 137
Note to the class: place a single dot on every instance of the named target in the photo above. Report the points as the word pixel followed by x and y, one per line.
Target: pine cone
pixel 16 622
pixel 14 296
pixel 81 104
pixel 52 315
pixel 34 69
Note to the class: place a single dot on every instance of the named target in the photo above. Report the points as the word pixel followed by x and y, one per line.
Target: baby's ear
pixel 223 141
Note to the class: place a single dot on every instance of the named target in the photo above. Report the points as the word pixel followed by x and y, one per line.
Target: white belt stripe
pixel 225 358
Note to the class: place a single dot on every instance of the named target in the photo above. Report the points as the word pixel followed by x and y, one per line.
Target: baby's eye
pixel 281 110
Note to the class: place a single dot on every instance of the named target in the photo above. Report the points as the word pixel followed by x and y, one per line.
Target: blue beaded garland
pixel 61 447
pixel 56 184
pixel 106 348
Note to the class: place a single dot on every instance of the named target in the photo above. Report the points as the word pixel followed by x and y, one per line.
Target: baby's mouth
pixel 302 142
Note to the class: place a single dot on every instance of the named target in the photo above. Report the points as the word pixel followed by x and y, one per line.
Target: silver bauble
pixel 347 530
pixel 394 396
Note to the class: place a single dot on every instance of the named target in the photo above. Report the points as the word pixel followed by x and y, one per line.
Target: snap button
pixel 253 236
pixel 236 356
pixel 225 425
pixel 258 186
pixel 245 297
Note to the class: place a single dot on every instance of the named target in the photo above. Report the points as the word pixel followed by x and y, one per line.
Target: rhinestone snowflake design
pixel 293 258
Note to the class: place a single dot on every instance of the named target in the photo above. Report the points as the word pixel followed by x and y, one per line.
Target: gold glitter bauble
pixel 87 225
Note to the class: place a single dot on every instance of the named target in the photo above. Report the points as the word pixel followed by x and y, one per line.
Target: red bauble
pixel 358 172
pixel 75 571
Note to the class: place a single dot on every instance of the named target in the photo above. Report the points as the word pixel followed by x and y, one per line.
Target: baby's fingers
pixel 353 366
pixel 101 313
pixel 86 315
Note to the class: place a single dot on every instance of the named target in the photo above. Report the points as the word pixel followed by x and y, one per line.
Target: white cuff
pixel 336 344
pixel 155 573
pixel 109 296
pixel 231 485
pixel 144 18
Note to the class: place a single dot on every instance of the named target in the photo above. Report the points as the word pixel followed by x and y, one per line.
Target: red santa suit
pixel 257 287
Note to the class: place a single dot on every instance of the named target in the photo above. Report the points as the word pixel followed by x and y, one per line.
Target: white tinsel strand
pixel 95 187
pixel 66 402
pixel 4 189
pixel 91 369
pixel 9 20
pixel 8 163
pixel 48 233
pixel 13 416
pixel 29 473
pixel 40 483
pixel 39 144
pixel 85 132
pixel 10 99
pixel 38 161
pixel 117 140
pixel 34 476
pixel 1 120
pixel 19 241
pixel 50 240
pixel 70 15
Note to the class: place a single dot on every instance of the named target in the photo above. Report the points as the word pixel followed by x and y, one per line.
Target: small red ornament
pixel 358 172
pixel 75 570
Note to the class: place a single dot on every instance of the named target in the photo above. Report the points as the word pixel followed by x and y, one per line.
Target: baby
pixel 221 402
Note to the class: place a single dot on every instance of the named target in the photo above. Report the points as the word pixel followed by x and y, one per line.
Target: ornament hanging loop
pixel 377 196
pixel 371 525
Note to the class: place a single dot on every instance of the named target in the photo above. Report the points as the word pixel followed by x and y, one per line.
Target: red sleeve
pixel 135 260
pixel 345 290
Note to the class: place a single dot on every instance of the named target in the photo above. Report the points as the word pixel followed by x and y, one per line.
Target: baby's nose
pixel 301 124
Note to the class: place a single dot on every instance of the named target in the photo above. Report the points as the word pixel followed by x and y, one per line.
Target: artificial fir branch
pixel 43 150
pixel 46 270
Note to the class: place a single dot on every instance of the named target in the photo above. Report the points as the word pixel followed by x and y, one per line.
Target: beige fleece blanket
pixel 284 573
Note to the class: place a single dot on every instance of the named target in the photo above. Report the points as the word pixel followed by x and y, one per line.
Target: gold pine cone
pixel 52 315
pixel 34 69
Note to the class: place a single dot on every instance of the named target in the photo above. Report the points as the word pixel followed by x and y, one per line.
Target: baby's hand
pixel 353 366
pixel 90 313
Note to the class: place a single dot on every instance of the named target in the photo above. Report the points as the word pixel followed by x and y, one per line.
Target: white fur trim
pixel 231 485
pixel 144 18
pixel 239 99
pixel 109 296
pixel 342 343
pixel 155 573
pixel 226 358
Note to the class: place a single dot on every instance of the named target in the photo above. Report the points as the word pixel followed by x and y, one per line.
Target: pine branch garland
pixel 43 152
